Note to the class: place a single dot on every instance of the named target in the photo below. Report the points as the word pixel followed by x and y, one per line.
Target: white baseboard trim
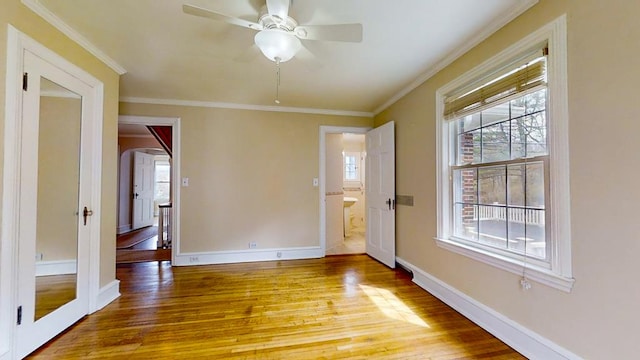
pixel 523 340
pixel 123 229
pixel 239 256
pixel 57 267
pixel 107 294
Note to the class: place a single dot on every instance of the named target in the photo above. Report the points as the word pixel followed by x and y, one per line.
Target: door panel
pixel 380 194
pixel 55 186
pixel 143 182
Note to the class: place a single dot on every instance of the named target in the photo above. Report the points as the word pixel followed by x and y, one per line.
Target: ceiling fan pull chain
pixel 277 81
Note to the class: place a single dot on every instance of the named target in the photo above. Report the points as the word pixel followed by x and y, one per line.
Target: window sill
pixel 535 273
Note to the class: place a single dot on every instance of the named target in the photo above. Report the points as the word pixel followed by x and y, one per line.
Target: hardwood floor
pixel 140 246
pixel 344 307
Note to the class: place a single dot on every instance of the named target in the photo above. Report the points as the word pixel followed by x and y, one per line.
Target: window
pixel 162 180
pixel 503 169
pixel 351 166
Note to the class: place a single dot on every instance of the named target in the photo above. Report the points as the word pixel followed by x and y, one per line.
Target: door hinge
pixel 19 315
pixel 25 81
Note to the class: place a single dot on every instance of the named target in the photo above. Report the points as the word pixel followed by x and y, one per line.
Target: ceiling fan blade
pixel 278 8
pixel 310 60
pixel 198 11
pixel 339 32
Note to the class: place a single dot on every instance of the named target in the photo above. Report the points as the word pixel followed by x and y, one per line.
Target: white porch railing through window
pixel 518 215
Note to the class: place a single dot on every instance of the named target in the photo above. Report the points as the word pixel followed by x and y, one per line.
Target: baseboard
pixel 239 256
pixel 523 340
pixel 58 267
pixel 123 229
pixel 107 294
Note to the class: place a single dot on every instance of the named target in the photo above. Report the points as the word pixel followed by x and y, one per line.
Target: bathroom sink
pixel 349 201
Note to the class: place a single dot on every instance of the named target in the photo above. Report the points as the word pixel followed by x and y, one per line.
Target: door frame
pixel 174 122
pixel 17 43
pixel 324 130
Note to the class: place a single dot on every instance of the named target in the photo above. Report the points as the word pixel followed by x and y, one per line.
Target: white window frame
pixel 558 273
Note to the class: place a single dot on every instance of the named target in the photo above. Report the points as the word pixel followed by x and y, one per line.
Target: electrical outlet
pixel 253 245
pixel 279 254
pixel 193 259
pixel 39 256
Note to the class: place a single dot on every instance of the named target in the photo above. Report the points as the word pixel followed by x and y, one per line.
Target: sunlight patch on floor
pixel 391 306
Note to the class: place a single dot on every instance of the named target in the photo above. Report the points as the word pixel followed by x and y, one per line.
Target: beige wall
pixel 334 172
pixel 333 190
pixel 599 318
pixel 250 176
pixel 16 14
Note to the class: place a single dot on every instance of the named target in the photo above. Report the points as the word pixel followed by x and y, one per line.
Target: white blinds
pixel 523 79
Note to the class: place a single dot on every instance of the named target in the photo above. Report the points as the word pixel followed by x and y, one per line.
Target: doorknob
pixel 135 195
pixel 388 202
pixel 86 212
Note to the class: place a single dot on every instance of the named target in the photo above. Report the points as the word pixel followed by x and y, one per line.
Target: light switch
pixel 315 181
pixel 185 182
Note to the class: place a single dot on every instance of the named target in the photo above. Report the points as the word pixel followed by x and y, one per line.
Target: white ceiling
pixel 171 56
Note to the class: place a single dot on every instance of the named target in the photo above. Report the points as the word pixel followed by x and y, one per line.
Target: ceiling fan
pixel 279 34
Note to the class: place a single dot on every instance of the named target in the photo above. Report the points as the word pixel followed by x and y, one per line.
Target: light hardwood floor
pixel 342 307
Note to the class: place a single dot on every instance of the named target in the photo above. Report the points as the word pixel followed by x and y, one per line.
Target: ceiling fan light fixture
pixel 277 45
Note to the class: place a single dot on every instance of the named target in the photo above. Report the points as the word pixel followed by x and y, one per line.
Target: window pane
pixel 492 185
pixel 492 225
pixel 535 185
pixel 495 114
pixel 535 231
pixel 518 107
pixel 466 185
pixel 517 233
pixel 518 138
pixel 535 102
pixel 536 134
pixel 468 123
pixel 469 148
pixel 350 168
pixel 527 229
pixel 516 186
pixel 162 192
pixel 465 221
pixel 162 171
pixel 495 142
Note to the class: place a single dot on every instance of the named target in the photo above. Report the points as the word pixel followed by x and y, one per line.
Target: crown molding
pixel 458 52
pixel 222 105
pixel 59 24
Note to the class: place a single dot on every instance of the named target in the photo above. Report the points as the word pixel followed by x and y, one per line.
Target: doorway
pixel 342 190
pixel 148 201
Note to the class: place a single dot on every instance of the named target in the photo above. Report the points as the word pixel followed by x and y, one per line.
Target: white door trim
pixel 17 43
pixel 174 122
pixel 324 130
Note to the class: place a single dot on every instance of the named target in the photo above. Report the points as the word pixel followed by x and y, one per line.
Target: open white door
pixel 381 194
pixel 143 180
pixel 55 203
